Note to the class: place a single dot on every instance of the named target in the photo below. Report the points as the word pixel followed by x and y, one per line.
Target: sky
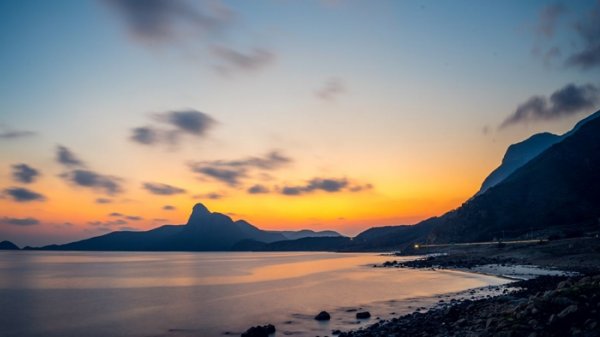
pixel 341 115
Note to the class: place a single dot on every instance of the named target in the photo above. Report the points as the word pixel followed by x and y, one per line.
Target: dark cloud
pixel 67 158
pixel 128 217
pixel 189 121
pixel 24 173
pixel 235 60
pixel 331 90
pixel 232 172
pixel 182 122
pixel 168 21
pixel 211 196
pixel 146 135
pixel 21 194
pixel 162 189
pixel 7 133
pixel 330 185
pixel 258 189
pixel 567 101
pixel 230 176
pixel 548 19
pixel 193 27
pixel 85 178
pixel 588 29
pixel 168 208
pixel 103 201
pixel 19 221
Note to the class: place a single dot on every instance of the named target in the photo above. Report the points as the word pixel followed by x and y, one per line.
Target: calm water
pixel 206 294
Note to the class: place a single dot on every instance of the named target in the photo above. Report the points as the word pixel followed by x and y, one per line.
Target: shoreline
pixel 547 302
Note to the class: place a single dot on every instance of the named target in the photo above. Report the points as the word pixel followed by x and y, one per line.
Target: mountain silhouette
pixel 204 231
pixel 7 245
pixel 558 190
pixel 521 153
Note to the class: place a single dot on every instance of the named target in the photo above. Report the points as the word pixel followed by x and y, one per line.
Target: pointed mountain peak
pixel 200 209
pixel 199 213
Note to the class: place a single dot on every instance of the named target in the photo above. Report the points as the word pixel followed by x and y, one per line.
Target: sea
pixel 176 294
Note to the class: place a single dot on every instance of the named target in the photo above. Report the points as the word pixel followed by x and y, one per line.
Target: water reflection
pixel 200 294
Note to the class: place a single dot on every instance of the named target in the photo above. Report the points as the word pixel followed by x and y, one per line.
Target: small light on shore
pixel 416 246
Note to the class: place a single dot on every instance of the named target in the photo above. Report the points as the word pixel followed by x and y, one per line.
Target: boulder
pixel 363 314
pixel 323 316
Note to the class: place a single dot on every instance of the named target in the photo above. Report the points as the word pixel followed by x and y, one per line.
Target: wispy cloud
pixel 65 157
pixel 211 196
pixel 235 60
pixel 258 189
pixel 191 27
pixel 19 221
pixel 330 185
pixel 103 201
pixel 7 133
pixel 21 194
pixel 588 29
pixel 78 175
pixel 171 21
pixel 179 123
pixel 162 189
pixel 24 173
pixel 231 172
pixel 110 185
pixel 567 101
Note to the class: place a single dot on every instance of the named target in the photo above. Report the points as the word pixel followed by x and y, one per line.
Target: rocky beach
pixel 558 294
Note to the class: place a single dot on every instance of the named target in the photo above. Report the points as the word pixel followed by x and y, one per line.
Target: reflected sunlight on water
pixel 203 294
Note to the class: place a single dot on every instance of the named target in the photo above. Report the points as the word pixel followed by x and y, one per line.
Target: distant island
pixel 7 245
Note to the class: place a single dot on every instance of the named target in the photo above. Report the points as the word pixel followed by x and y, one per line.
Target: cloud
pixel 85 178
pixel 134 217
pixel 103 201
pixel 258 189
pixel 19 221
pixel 146 135
pixel 21 194
pixel 67 158
pixel 115 214
pixel 110 223
pixel 234 60
pixel 567 101
pixel 588 29
pixel 231 172
pixel 194 27
pixel 162 189
pixel 331 90
pixel 330 185
pixel 189 121
pixel 168 21
pixel 7 133
pixel 211 196
pixel 168 208
pixel 24 173
pixel 548 19
pixel 181 122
